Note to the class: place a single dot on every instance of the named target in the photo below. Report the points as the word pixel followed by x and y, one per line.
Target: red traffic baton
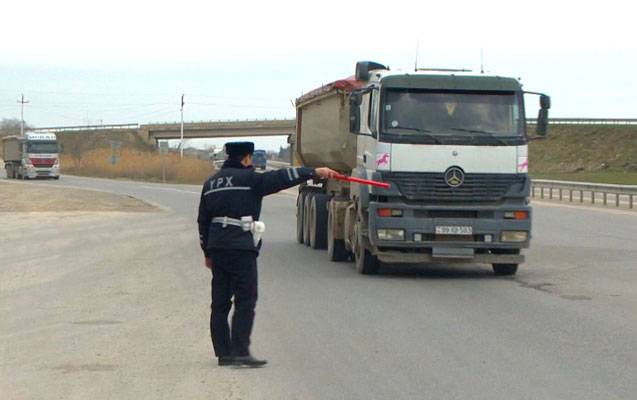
pixel 383 185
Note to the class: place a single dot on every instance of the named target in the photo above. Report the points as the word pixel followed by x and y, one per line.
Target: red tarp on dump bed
pixel 346 85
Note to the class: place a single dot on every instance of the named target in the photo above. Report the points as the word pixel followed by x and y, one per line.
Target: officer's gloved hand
pixel 325 172
pixel 208 263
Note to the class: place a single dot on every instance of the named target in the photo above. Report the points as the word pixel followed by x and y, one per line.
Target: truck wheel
pixel 505 269
pixel 300 202
pixel 318 221
pixel 336 250
pixel 306 217
pixel 366 262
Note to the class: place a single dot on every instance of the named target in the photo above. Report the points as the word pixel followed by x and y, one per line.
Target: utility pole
pixel 22 103
pixel 181 143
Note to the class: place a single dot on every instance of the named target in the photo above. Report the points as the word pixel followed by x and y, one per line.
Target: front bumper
pixel 419 223
pixel 34 172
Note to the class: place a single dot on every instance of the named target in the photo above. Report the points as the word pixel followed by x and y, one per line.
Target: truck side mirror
pixel 355 112
pixel 542 126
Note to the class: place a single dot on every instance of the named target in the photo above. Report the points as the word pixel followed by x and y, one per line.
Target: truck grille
pixel 432 186
pixel 42 162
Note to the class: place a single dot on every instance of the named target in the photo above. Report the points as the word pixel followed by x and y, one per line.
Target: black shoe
pixel 248 362
pixel 224 361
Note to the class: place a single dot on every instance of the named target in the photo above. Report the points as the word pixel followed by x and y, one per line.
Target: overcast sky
pixel 118 61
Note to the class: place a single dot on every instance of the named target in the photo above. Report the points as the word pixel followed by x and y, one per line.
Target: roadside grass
pixel 586 153
pixel 138 165
pixel 585 149
pixel 616 177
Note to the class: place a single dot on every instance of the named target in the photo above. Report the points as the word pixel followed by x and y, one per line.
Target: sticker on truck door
pixel 382 160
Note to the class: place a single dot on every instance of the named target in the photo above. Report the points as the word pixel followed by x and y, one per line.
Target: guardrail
pixel 589 192
pixel 587 121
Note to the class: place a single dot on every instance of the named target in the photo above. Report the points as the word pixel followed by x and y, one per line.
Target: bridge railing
pixel 85 128
pixel 580 192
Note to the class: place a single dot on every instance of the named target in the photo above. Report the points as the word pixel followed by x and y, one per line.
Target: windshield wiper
pixel 491 135
pixel 425 132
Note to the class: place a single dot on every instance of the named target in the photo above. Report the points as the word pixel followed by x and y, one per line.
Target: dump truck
pixel 34 155
pixel 451 144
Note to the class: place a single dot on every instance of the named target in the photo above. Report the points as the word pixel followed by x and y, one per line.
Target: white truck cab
pixel 35 155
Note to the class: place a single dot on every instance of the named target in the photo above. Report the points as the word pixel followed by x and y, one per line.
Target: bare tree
pixel 76 146
pixel 11 126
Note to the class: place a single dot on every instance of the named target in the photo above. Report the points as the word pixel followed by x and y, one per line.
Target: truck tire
pixel 336 250
pixel 306 214
pixel 366 262
pixel 318 221
pixel 300 203
pixel 505 269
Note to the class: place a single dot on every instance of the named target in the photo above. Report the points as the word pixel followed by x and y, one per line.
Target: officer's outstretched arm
pixel 274 181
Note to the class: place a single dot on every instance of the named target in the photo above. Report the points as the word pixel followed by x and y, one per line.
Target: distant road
pixel 116 306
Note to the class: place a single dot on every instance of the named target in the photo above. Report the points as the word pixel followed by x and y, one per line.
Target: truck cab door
pixel 367 138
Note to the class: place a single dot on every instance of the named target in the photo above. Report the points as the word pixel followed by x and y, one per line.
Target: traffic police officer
pixel 229 207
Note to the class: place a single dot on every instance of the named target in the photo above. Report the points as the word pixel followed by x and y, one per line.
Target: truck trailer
pixel 33 156
pixel 452 146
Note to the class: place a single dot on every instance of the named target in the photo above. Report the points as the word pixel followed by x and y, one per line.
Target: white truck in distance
pixel 453 146
pixel 33 156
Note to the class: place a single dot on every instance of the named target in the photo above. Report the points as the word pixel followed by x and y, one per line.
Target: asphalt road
pixel 116 306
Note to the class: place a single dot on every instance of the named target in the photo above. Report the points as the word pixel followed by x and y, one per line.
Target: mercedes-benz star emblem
pixel 454 177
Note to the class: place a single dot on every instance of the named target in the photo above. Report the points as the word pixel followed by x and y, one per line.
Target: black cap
pixel 239 148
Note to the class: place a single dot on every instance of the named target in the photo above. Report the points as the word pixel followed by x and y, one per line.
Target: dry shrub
pixel 138 165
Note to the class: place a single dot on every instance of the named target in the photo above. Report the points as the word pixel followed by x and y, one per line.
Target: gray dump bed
pixel 322 127
pixel 11 148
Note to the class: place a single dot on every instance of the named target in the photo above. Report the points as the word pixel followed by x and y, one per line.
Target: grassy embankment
pixel 138 164
pixel 602 154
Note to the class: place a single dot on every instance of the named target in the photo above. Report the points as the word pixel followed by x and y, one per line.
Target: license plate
pixel 454 230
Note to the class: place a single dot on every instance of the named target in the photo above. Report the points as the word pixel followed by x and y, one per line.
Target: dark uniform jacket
pixel 237 191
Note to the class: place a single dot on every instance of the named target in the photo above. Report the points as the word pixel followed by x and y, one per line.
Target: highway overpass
pixel 151 133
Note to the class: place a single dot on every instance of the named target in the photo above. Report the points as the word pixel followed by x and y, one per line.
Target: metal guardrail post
pixel 621 194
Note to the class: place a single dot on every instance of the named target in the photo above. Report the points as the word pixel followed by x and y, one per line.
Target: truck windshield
pixel 42 147
pixel 452 117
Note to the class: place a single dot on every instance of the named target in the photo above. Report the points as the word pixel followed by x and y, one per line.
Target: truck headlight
pixel 514 236
pixel 516 215
pixel 391 234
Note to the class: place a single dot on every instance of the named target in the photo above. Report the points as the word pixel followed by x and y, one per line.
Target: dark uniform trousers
pixel 234 273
